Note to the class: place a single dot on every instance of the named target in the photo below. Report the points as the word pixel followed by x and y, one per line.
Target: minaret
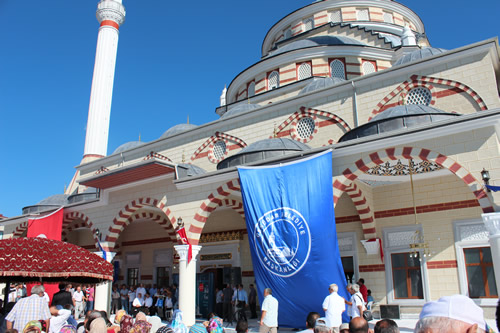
pixel 110 14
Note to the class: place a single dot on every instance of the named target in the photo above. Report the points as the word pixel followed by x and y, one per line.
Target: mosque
pixel 414 131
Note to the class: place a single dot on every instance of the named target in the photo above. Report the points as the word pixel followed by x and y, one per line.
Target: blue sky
pixel 174 58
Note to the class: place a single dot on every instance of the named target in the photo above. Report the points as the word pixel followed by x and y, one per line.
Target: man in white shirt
pixel 141 290
pixel 78 298
pixel 148 303
pixel 137 304
pixel 58 319
pixel 269 309
pixel 334 305
pixel 356 302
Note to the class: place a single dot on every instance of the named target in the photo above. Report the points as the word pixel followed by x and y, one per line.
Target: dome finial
pixel 188 120
pixel 139 136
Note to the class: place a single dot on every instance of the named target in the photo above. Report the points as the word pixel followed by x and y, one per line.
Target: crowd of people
pixel 33 314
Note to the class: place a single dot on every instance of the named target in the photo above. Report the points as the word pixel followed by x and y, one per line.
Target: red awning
pixel 129 174
pixel 41 259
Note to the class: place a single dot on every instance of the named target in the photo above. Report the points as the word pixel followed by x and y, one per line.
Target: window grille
pixel 273 80
pixel 304 71
pixel 309 24
pixel 336 16
pixel 368 67
pixel 419 95
pixel 305 127
pixel 251 89
pixel 363 14
pixel 388 18
pixel 219 150
pixel 337 69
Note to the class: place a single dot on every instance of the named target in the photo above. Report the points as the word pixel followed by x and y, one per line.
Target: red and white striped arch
pixel 417 80
pixel 228 139
pixel 215 200
pixel 292 121
pixel 20 229
pixel 74 220
pixel 364 211
pixel 342 183
pixel 128 214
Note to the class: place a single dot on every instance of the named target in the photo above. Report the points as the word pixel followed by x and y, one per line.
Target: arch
pixel 364 164
pixel 417 80
pixel 364 211
pixel 85 222
pixel 210 142
pixel 128 213
pixel 214 200
pixel 20 229
pixel 308 112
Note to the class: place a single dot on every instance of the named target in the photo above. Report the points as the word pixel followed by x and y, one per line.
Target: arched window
pixel 219 150
pixel 419 95
pixel 308 24
pixel 304 71
pixel 288 33
pixel 335 16
pixel 368 67
pixel 273 80
pixel 251 89
pixel 337 69
pixel 305 127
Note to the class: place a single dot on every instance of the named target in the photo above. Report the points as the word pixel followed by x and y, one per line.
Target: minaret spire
pixel 110 14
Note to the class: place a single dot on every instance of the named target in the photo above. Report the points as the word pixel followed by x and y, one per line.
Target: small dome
pixel 127 146
pixel 396 118
pixel 241 108
pixel 407 110
pixel 319 83
pixel 418 55
pixel 189 170
pixel 262 150
pixel 55 200
pixel 177 129
pixel 317 41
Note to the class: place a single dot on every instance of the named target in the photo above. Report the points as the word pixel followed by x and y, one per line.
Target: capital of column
pixel 492 223
pixel 110 10
pixel 182 251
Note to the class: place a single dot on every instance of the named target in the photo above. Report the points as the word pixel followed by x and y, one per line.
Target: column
pixel 492 223
pixel 187 283
pixel 102 299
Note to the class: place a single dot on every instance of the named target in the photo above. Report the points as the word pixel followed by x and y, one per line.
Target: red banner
pixel 49 226
pixel 185 240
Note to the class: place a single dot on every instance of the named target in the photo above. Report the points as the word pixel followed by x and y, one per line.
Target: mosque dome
pixel 262 150
pixel 52 202
pixel 317 41
pixel 242 108
pixel 189 170
pixel 319 83
pixel 418 55
pixel 398 117
pixel 177 129
pixel 127 146
pixel 90 193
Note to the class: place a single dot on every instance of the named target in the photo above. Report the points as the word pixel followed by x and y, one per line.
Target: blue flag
pixel 293 239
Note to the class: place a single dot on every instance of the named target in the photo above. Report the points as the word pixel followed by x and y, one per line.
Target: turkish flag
pixel 48 226
pixel 184 239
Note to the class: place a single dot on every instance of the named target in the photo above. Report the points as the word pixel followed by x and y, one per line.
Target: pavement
pixel 405 325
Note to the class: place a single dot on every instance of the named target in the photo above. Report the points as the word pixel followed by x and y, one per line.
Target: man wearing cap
pixel 457 314
pixel 321 326
pixel 334 305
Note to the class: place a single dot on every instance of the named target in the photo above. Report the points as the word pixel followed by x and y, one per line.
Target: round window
pixel 219 150
pixel 305 127
pixel 419 95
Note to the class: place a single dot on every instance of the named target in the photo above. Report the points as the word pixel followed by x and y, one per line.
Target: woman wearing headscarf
pixel 98 325
pixel 126 324
pixel 177 325
pixel 215 325
pixel 141 324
